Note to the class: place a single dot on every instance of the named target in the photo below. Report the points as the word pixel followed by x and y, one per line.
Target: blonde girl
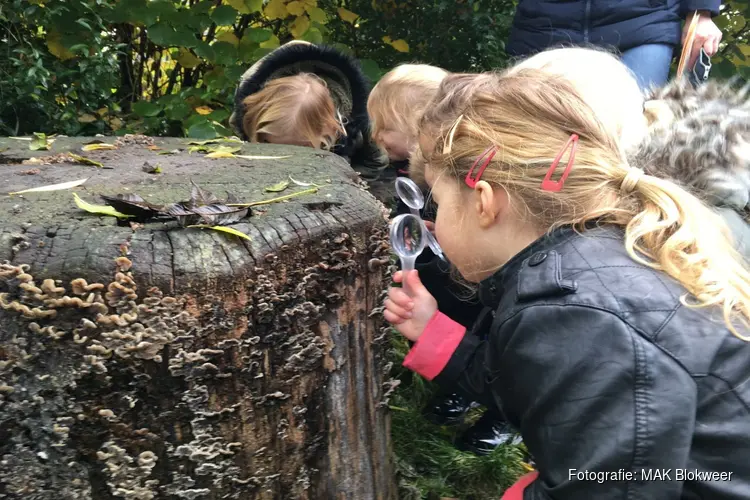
pixel 617 341
pixel 312 96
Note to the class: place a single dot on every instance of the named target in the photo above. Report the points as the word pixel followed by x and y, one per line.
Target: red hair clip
pixel 548 184
pixel 488 154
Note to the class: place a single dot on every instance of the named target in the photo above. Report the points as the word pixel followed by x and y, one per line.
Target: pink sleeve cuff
pixel 515 492
pixel 435 346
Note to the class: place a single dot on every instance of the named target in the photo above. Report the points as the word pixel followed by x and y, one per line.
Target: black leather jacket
pixel 595 360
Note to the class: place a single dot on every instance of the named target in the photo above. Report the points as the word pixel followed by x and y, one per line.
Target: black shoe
pixel 448 409
pixel 488 433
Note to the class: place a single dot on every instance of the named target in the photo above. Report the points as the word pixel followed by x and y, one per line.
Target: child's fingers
pixel 399 297
pixel 396 309
pixel 398 276
pixel 392 318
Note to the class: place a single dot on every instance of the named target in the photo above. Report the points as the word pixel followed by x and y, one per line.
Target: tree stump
pixel 151 361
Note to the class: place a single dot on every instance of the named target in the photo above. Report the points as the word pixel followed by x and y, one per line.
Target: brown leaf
pixel 184 215
pixel 200 197
pixel 132 204
pixel 220 215
pixel 231 198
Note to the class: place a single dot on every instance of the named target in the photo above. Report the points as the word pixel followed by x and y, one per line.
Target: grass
pixel 427 464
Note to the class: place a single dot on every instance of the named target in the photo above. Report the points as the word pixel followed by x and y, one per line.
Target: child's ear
pixel 490 203
pixel 658 113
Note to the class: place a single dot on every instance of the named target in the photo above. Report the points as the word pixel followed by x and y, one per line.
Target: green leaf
pixel 224 15
pixel 225 53
pixel 39 142
pixel 278 187
pixel 223 229
pixel 202 130
pixel 254 5
pixel 257 35
pixel 318 15
pixel 371 69
pixel 184 36
pixel 85 161
pixel 161 34
pixel 313 35
pixel 146 109
pixel 98 209
pixel 204 50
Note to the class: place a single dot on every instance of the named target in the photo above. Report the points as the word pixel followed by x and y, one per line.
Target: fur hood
pixel 700 138
pixel 347 83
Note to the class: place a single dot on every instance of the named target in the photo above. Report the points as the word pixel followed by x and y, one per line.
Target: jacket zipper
pixel 586 22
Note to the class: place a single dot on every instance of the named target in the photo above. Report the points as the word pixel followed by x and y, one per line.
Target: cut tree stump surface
pixel 154 361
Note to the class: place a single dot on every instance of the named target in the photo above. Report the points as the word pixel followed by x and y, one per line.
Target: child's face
pixel 395 143
pixel 477 229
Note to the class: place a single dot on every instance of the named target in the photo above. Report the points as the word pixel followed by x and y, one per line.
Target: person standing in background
pixel 645 32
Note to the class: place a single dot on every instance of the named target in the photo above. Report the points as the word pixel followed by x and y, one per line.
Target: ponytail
pixel 676 233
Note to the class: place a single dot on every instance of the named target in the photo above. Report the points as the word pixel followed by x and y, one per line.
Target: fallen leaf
pixel 3 150
pixel 278 187
pixel 132 204
pixel 20 138
pixel 223 229
pixel 219 214
pixel 184 215
pixel 85 161
pixel 39 142
pixel 250 157
pixel 151 169
pixel 220 154
pixel 204 110
pixel 274 200
pixel 231 198
pixel 200 197
pixel 302 184
pixel 213 141
pixel 53 187
pixel 33 171
pixel 173 152
pixel 98 209
pixel 153 147
pixel 98 147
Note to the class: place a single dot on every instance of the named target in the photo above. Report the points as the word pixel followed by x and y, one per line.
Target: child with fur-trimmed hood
pixel 700 138
pixel 313 96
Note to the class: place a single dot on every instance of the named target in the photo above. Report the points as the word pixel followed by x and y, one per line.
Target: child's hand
pixel 409 314
pixel 430 226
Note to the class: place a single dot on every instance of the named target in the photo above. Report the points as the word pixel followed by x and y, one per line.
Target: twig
pixel 274 200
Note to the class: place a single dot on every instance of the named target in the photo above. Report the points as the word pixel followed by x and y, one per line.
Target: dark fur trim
pixel 285 55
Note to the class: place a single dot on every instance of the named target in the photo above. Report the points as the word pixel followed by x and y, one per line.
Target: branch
pixel 173 78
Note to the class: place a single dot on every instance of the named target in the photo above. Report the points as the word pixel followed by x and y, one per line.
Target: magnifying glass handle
pixel 407 267
pixel 414 211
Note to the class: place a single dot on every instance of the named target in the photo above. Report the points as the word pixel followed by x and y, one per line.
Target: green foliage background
pixel 170 67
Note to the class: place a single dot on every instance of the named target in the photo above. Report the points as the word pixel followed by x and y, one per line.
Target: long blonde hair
pixel 301 103
pixel 529 115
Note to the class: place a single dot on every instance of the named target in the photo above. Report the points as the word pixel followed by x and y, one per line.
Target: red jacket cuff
pixel 435 346
pixel 515 492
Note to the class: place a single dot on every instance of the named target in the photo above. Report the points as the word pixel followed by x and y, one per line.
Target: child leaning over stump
pixel 313 96
pixel 395 106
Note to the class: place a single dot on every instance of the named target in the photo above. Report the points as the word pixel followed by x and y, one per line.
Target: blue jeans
pixel 650 63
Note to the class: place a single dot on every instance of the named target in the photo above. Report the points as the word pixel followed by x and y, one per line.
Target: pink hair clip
pixel 487 156
pixel 555 186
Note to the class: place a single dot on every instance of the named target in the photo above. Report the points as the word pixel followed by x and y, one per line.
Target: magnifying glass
pixel 408 241
pixel 411 195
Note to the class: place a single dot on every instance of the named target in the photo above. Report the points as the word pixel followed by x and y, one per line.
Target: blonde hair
pixel 529 115
pixel 401 96
pixel 301 103
pixel 603 82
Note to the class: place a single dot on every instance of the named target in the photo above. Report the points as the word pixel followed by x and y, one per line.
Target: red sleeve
pixel 435 346
pixel 515 492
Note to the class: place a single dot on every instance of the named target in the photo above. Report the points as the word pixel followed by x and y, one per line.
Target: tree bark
pixel 152 361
